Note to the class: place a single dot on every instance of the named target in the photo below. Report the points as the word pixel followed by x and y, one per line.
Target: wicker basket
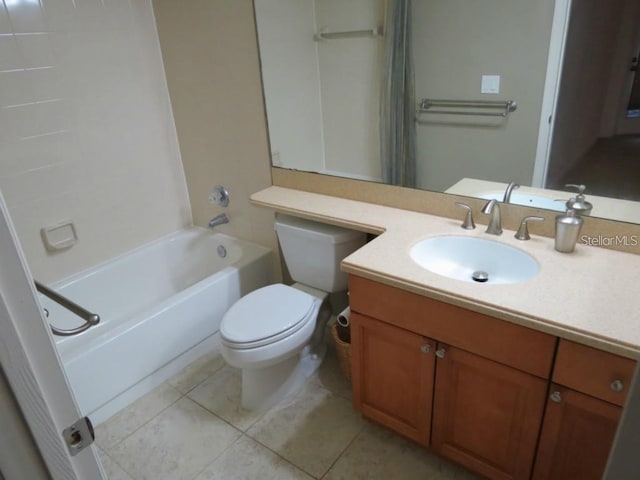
pixel 343 351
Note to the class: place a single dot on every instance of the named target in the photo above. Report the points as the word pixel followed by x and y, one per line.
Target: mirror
pixel 322 62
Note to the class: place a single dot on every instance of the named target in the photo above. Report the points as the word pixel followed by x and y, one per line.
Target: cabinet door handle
pixel 425 348
pixel 555 397
pixel 440 352
pixel 617 386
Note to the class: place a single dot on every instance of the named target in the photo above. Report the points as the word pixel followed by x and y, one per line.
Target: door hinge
pixel 79 435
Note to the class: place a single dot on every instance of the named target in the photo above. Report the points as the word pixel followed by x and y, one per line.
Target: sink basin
pixel 527 199
pixel 472 259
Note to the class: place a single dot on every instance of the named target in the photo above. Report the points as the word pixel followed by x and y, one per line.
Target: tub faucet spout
pixel 218 220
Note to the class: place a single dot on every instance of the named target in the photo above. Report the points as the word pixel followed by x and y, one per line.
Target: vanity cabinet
pixel 584 406
pixel 488 377
pixel 481 391
pixel 486 415
pixel 393 372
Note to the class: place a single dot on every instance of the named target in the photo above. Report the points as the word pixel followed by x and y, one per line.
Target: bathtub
pixel 160 308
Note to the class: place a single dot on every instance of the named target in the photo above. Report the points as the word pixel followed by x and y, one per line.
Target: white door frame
pixel 559 29
pixel 32 367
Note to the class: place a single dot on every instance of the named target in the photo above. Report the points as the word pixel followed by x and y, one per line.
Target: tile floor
pixel 192 428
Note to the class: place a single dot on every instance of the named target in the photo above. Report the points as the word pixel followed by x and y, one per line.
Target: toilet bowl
pixel 268 334
pixel 276 334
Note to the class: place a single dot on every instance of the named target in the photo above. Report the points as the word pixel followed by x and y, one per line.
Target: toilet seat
pixel 265 316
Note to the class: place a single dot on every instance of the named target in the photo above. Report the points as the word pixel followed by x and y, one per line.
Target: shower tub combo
pixel 160 307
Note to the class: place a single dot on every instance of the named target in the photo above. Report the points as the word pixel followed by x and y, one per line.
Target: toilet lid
pixel 266 315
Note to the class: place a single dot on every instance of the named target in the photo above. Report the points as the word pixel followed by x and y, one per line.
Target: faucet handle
pixel 523 231
pixel 467 224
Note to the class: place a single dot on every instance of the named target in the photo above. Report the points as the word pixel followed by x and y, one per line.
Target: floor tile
pixel 220 394
pixel 310 430
pixel 247 460
pixel 112 469
pixel 378 454
pixel 197 371
pixel 176 445
pixel 127 421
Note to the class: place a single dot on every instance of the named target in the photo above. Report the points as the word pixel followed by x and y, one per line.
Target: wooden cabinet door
pixel 486 415
pixel 392 375
pixel 577 434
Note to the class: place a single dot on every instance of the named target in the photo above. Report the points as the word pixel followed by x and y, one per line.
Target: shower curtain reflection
pixel 397 99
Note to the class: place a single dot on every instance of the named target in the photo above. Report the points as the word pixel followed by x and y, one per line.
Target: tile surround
pixel 87 127
pixel 314 435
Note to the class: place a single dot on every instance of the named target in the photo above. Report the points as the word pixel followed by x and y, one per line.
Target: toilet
pixel 275 334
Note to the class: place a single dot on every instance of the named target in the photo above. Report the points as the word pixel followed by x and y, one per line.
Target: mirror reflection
pixel 459 97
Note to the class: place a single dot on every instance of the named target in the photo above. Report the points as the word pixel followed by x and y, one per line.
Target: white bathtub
pixel 160 308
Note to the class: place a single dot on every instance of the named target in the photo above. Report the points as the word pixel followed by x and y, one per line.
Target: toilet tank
pixel 313 251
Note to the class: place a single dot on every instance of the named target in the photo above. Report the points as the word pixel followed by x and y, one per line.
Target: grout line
pixel 224 450
pixel 145 423
pixel 345 449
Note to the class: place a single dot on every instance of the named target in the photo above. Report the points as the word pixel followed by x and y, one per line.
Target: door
pixel 577 435
pixel 486 415
pixel 628 114
pixel 392 372
pixel 31 364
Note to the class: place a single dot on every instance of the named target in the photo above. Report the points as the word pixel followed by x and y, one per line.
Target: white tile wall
pixel 86 130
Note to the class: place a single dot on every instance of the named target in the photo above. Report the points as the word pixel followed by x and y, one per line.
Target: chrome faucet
pixel 495 224
pixel 507 194
pixel 218 220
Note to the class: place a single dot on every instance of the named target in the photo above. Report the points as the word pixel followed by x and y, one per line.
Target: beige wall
pixel 455 43
pixel 86 131
pixel 212 68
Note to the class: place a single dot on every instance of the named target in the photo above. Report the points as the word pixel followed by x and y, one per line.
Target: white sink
pixel 527 199
pixel 469 258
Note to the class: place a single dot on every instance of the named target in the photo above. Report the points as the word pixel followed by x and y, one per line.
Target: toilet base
pixel 262 388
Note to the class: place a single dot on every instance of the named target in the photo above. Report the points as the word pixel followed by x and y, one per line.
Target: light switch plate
pixel 490 84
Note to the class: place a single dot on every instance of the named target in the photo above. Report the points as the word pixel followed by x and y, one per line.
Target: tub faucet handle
pixel 219 196
pixel 467 224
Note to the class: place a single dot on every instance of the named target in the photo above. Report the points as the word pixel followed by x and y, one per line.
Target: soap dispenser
pixel 568 228
pixel 578 203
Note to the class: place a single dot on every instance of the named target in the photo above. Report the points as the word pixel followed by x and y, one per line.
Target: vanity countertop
pixel 589 296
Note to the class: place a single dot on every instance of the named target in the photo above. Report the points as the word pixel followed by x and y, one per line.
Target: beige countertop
pixel 590 296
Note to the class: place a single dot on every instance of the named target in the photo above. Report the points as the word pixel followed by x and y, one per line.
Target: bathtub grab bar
pixel 91 319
